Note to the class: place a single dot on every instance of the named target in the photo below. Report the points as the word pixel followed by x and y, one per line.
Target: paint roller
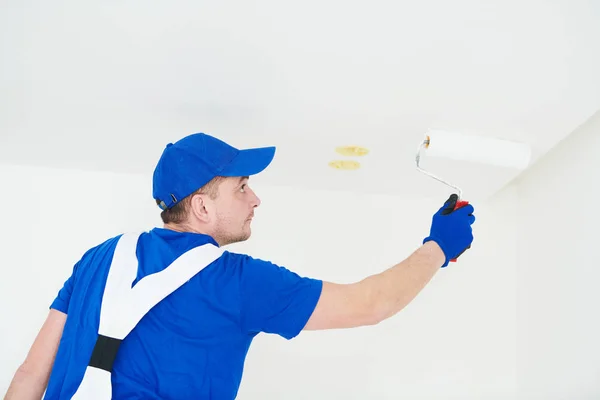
pixel 478 149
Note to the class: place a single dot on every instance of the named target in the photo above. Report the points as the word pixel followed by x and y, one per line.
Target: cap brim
pixel 250 162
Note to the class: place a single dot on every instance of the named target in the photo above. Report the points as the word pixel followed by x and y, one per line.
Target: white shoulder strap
pixel 123 306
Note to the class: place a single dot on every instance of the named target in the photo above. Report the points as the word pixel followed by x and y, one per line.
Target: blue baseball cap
pixel 190 163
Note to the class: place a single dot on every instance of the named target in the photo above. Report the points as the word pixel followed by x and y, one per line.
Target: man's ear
pixel 200 208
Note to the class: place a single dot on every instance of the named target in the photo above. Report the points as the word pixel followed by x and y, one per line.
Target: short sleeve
pixel 61 302
pixel 274 299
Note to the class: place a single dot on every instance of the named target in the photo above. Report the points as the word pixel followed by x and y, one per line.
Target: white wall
pixel 457 340
pixel 559 272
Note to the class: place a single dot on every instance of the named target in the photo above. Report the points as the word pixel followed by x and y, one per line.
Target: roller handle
pixel 459 204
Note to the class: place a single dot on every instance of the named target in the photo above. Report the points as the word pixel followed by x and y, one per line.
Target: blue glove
pixel 451 229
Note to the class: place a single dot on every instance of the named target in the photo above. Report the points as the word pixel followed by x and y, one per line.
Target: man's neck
pixel 182 228
pixel 189 229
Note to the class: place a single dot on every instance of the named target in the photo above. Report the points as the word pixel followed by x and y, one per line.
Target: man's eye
pixel 243 188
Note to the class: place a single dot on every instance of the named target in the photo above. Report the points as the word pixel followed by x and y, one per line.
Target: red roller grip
pixel 460 203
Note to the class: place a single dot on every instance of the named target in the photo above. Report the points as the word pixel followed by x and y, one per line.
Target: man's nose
pixel 255 200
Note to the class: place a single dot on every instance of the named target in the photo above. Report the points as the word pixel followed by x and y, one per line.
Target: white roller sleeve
pixel 490 151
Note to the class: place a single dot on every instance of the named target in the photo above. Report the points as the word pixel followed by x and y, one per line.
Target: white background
pixel 515 318
pixel 91 92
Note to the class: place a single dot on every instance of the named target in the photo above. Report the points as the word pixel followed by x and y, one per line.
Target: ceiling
pixel 105 85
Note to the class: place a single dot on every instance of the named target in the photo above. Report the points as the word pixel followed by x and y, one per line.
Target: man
pixel 193 342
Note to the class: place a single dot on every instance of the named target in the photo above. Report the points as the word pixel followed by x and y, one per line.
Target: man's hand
pixel 451 229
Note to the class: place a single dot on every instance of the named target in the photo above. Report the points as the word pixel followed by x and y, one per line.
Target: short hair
pixel 180 211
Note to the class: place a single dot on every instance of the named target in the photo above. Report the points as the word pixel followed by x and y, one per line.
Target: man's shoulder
pixel 110 243
pixel 100 253
pixel 245 260
pixel 107 244
pixel 245 265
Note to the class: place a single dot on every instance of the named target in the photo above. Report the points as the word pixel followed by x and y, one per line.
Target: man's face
pixel 233 210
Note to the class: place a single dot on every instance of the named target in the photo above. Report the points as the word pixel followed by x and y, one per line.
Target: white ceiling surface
pixel 105 85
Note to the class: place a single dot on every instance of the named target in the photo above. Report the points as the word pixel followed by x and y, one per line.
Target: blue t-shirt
pixel 193 344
